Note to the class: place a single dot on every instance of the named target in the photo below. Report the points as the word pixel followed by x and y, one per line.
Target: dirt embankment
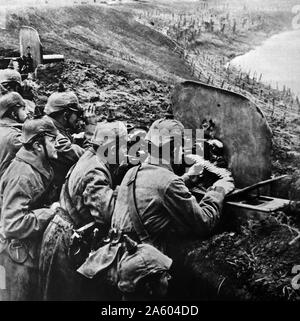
pixel 104 91
pixel 257 263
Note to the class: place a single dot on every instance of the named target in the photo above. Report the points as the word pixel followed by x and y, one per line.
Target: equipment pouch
pixel 100 260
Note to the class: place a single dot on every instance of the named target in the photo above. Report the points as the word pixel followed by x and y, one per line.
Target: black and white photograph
pixel 150 152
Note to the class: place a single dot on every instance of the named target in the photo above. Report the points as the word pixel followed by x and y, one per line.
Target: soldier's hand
pixel 62 143
pixel 226 183
pixel 197 167
pixel 54 206
pixel 195 170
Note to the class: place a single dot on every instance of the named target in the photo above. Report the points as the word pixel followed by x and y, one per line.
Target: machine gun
pixel 247 140
pixel 249 200
pixel 31 53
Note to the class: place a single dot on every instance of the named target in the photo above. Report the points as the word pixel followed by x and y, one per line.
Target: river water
pixel 277 59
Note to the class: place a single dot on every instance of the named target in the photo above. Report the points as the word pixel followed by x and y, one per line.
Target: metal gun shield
pixel 30 42
pixel 239 124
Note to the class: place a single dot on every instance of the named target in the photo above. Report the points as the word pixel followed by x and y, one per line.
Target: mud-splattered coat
pixel 23 219
pixel 91 192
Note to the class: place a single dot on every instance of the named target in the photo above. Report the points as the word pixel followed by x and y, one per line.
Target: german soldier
pixel 87 200
pixel 24 208
pixel 11 80
pixel 64 110
pixel 12 116
pixel 154 205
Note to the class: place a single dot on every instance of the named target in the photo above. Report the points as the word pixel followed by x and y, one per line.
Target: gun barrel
pixel 247 189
